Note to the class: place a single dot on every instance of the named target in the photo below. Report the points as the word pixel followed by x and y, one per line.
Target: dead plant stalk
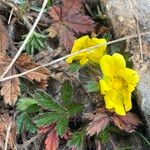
pixel 26 39
pixel 73 54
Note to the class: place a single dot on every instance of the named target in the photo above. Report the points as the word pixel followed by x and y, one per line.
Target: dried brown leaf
pixel 69 22
pixel 10 89
pixel 4 40
pixel 99 122
pixel 5 121
pixel 129 122
pixel 25 63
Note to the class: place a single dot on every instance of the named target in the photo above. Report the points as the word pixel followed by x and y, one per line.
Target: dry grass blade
pixel 64 57
pixel 26 40
pixel 138 28
pixel 8 132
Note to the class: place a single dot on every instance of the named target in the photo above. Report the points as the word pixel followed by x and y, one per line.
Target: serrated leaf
pixel 66 92
pixel 30 126
pixel 19 122
pixel 66 27
pixel 61 126
pixel 76 140
pixel 92 86
pixel 27 104
pixel 48 118
pixel 98 124
pixel 25 120
pixel 52 140
pixel 74 67
pixel 74 108
pixel 47 102
pixel 128 123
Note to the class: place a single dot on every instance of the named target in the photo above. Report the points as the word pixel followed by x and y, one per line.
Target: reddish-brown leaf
pixel 67 38
pixel 79 23
pixel 129 122
pixel 99 122
pixel 4 40
pixel 52 140
pixel 68 21
pixel 10 89
pixel 5 121
pixel 25 63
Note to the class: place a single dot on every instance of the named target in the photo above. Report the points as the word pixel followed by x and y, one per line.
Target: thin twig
pixel 138 28
pixel 25 144
pixel 26 40
pixel 7 135
pixel 72 54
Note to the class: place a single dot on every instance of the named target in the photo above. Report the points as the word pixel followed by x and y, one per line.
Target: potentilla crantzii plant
pixel 118 81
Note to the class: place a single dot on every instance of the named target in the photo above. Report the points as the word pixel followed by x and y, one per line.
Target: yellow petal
pixel 108 100
pixel 96 54
pixel 130 76
pixel 106 64
pixel 80 43
pixel 69 60
pixel 127 100
pixel 104 87
pixel 118 62
pixel 118 105
pixel 84 60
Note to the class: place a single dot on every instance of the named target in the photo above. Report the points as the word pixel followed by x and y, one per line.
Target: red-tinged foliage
pixel 129 122
pixel 99 122
pixel 69 22
pixel 67 135
pixel 52 140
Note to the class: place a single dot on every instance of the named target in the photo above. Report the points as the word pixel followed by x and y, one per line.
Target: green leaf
pixel 25 120
pixel 19 122
pixel 46 101
pixel 66 92
pixel 74 67
pixel 74 108
pixel 76 140
pixel 27 104
pixel 92 86
pixel 107 36
pixel 104 136
pixel 61 126
pixel 48 118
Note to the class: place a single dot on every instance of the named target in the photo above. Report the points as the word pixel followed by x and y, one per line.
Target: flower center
pixel 118 83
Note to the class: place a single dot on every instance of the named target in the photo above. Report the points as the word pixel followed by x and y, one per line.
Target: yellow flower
pixel 83 57
pixel 118 83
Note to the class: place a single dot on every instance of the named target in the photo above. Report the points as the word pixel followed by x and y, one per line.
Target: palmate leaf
pixel 24 119
pixel 47 102
pixel 28 105
pixel 66 92
pixel 61 126
pixel 76 140
pixel 48 118
pixel 74 108
pixel 69 22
